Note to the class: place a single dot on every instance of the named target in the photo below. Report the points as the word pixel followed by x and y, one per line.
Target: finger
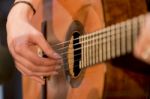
pixel 38 79
pixel 27 51
pixel 37 70
pixel 28 72
pixel 33 57
pixel 30 66
pixel 18 68
pixel 43 44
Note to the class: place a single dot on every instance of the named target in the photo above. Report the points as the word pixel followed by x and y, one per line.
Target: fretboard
pixel 110 42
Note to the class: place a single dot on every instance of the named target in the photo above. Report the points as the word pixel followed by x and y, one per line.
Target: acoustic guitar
pixel 76 31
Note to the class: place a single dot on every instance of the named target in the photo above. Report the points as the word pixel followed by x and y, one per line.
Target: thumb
pixel 45 47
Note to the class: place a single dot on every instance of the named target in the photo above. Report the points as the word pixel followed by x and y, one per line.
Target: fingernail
pixel 56 56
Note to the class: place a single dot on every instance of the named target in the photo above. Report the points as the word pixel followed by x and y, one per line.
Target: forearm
pixel 23 11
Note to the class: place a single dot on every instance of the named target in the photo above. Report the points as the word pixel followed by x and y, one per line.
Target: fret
pixel 90 54
pixel 118 47
pixel 97 49
pixel 93 49
pixel 112 41
pixel 123 40
pixel 100 47
pixel 88 57
pixel 108 43
pixel 87 53
pixel 104 44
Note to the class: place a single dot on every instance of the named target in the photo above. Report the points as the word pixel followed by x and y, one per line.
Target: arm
pixel 23 10
pixel 23 40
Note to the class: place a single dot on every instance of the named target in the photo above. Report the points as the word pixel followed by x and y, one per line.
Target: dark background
pixel 10 78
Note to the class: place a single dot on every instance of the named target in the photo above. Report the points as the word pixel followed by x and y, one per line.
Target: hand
pixel 142 46
pixel 23 40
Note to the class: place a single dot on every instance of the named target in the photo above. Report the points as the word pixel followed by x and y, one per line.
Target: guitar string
pixel 100 32
pixel 105 37
pixel 91 45
pixel 96 44
pixel 102 43
pixel 93 39
pixel 89 39
pixel 98 36
pixel 113 39
pixel 66 64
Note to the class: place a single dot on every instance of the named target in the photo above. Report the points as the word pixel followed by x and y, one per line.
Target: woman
pixel 22 35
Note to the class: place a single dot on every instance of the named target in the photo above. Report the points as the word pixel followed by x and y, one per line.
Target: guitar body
pixel 90 16
pixel 95 82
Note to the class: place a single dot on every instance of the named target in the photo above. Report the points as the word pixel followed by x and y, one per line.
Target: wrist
pixel 21 11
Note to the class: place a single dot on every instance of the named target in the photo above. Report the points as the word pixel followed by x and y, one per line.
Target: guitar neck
pixel 110 42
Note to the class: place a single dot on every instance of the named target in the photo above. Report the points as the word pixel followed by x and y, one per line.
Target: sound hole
pixel 77 53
